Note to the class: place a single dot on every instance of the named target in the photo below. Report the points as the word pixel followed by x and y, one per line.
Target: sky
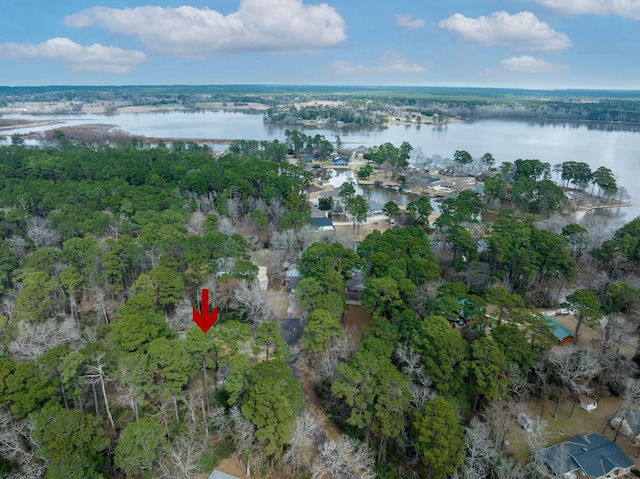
pixel 537 44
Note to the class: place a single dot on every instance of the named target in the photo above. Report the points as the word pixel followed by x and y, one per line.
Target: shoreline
pixel 580 213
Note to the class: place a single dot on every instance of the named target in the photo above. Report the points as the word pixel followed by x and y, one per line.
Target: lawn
pixel 562 428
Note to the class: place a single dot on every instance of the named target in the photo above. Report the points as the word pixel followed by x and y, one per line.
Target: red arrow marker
pixel 205 319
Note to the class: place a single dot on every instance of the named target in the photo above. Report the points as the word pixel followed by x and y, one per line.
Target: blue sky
pixel 512 43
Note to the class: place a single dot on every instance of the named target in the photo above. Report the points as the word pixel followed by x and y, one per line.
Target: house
pixel 403 221
pixel 587 403
pixel 308 158
pixel 322 223
pixel 592 455
pixel 355 285
pixel 361 150
pixel 375 208
pixel 221 475
pixel 478 189
pixel 340 161
pixel 291 277
pixel 630 427
pixel 562 334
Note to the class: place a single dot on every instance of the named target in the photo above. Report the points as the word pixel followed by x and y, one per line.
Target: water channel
pixel 553 143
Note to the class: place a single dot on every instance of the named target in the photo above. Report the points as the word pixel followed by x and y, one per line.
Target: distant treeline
pixel 472 103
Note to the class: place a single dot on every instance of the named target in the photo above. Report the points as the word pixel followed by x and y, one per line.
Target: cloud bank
pixel 94 58
pixel 528 64
pixel 258 25
pixel 408 22
pixel 521 32
pixel 391 62
pixel 629 9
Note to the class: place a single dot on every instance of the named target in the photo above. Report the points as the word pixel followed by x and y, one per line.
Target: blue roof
pixel 321 221
pixel 592 453
pixel 557 329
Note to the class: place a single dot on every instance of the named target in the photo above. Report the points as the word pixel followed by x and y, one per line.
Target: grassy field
pixel 563 428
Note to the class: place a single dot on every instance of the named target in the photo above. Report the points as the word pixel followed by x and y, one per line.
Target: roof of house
pixel 557 329
pixel 321 222
pixel 374 206
pixel 592 453
pixel 292 273
pixel 340 161
pixel 356 283
pixel 221 475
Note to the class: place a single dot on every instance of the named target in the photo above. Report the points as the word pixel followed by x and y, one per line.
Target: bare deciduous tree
pixel 98 375
pixel 424 297
pixel 226 227
pixel 18 447
pixel 341 350
pixel 9 304
pixel 40 233
pixel 181 458
pixel 507 468
pixel 421 387
pixel 34 340
pixel 616 332
pixel 537 439
pixel 243 435
pixel 19 245
pixel 347 458
pixel 293 242
pixel 301 452
pixel 182 317
pixel 251 301
pixel 575 369
pixel 630 402
pixel 274 210
pixel 205 202
pixel 481 450
pixel 100 301
pixel 196 221
pixel 235 205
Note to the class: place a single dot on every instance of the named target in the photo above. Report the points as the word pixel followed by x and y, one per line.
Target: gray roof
pixel 221 475
pixel 592 453
pixel 375 206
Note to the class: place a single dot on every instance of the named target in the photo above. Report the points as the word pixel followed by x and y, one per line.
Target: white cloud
pixel 623 8
pixel 408 22
pixel 522 31
pixel 258 25
pixel 391 62
pixel 528 64
pixel 94 58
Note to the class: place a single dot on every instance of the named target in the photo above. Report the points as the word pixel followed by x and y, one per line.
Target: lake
pixel 596 145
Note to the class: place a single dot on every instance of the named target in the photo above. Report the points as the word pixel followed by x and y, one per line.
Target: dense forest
pixel 362 106
pixel 103 374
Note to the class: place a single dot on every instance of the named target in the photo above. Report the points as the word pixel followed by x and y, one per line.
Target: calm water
pixel 506 140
